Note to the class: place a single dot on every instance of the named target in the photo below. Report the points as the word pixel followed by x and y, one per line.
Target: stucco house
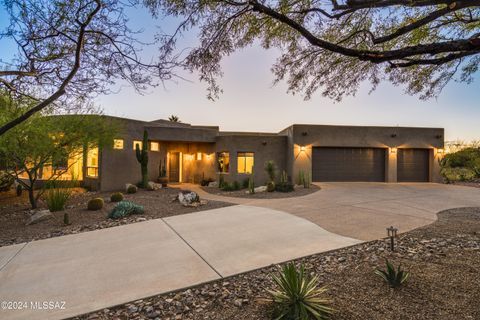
pixel 328 153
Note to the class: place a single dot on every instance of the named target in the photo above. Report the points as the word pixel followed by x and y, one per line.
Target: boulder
pixel 152 186
pixel 188 198
pixel 261 189
pixel 213 184
pixel 39 216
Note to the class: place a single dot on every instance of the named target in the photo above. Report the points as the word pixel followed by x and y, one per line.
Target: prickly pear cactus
pixel 125 208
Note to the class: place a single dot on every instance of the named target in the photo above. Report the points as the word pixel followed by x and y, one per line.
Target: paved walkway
pixel 99 269
pixel 364 210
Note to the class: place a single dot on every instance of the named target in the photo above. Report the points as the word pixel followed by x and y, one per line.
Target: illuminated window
pixel 154 146
pixel 245 162
pixel 140 144
pixel 223 161
pixel 92 163
pixel 118 144
pixel 199 156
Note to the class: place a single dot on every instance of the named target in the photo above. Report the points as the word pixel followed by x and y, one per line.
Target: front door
pixel 174 167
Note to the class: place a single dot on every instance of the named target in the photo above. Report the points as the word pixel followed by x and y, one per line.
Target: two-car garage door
pixel 367 164
pixel 348 164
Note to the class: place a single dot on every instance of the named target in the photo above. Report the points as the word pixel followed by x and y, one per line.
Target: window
pixel 223 162
pixel 140 144
pixel 118 144
pixel 154 146
pixel 92 163
pixel 199 156
pixel 245 162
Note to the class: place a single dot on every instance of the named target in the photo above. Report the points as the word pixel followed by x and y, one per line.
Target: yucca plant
pixel 395 278
pixel 298 295
pixel 56 198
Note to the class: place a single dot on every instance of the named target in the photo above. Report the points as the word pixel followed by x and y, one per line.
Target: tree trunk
pixel 31 198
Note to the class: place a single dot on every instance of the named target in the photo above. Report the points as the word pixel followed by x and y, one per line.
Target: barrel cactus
pixel 125 208
pixel 116 197
pixel 95 204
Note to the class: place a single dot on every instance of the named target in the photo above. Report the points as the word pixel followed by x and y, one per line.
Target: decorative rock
pixel 152 186
pixel 131 188
pixel 213 184
pixel 261 189
pixel 188 198
pixel 39 216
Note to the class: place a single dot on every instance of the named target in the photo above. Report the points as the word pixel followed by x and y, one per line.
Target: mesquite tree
pixel 334 45
pixel 64 51
pixel 142 158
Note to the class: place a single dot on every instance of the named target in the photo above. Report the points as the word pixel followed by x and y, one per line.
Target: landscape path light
pixel 392 233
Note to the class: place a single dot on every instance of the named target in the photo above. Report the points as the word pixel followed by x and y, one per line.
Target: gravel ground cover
pixel 298 192
pixel 442 259
pixel 14 211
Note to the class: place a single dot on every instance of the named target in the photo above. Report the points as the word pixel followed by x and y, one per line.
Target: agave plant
pixel 395 278
pixel 298 295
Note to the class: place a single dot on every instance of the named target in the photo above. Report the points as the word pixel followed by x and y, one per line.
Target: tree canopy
pixel 333 46
pixel 65 51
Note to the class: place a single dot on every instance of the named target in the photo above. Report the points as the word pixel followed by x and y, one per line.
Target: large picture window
pixel 245 162
pixel 223 162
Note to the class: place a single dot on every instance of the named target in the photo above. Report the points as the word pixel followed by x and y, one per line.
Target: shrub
pixel 116 197
pixel 271 186
pixel 284 177
pixel 298 296
pixel 66 219
pixel 132 189
pixel 236 185
pixel 125 208
pixel 6 181
pixel 95 204
pixel 284 187
pixel 221 181
pixel 270 168
pixel 56 199
pixel 19 190
pixel 393 277
pixel 231 187
pixel 245 183
pixel 457 174
pixel 251 184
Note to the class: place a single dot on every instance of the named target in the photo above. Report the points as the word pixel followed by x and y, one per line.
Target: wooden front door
pixel 174 167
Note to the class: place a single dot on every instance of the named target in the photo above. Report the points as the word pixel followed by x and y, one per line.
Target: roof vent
pixel 304 133
pixel 438 136
pixel 393 135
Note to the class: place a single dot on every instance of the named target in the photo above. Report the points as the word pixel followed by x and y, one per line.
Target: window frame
pixel 88 167
pixel 245 161
pixel 158 146
pixel 118 140
pixel 218 156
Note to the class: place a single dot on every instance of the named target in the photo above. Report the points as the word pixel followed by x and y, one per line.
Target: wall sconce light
pixel 438 136
pixel 209 156
pixel 440 151
pixel 393 135
pixel 199 156
pixel 304 133
pixel 393 150
pixel 302 148
pixel 264 143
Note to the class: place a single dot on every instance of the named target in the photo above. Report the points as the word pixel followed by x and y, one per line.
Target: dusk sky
pixel 251 103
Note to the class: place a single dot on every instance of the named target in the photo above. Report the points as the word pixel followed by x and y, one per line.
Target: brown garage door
pixel 412 165
pixel 348 164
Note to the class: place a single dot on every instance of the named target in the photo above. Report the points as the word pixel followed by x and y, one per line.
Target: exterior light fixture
pixel 440 151
pixel 304 133
pixel 209 156
pixel 393 135
pixel 393 150
pixel 199 156
pixel 392 233
pixel 302 148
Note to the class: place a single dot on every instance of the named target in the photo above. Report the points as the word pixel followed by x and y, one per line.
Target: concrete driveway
pixel 94 270
pixel 364 210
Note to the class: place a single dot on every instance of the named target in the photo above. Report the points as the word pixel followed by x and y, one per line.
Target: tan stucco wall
pixel 264 147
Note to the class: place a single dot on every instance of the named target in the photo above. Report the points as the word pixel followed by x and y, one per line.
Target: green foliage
pixel 116 197
pixel 142 158
pixel 42 139
pixel 457 174
pixel 19 190
pixel 251 184
pixel 306 180
pixel 221 181
pixel 6 181
pixel 284 177
pixel 462 165
pixel 270 168
pixel 284 187
pixel 95 204
pixel 301 177
pixel 234 186
pixel 395 278
pixel 173 118
pixel 270 186
pixel 245 183
pixel 56 198
pixel 132 189
pixel 298 296
pixel 125 208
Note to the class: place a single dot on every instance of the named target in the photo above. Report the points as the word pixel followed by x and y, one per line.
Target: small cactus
pixel 116 197
pixel 142 158
pixel 95 204
pixel 66 219
pixel 251 184
pixel 132 189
